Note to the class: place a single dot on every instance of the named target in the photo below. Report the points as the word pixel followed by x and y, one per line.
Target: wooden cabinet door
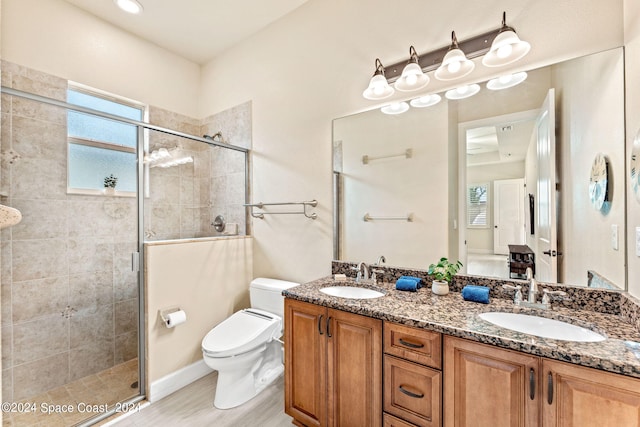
pixel 485 386
pixel 305 362
pixel 575 396
pixel 354 345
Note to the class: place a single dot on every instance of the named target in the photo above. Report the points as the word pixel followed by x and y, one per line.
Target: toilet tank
pixel 266 294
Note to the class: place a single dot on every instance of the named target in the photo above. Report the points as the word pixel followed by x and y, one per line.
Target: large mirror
pixel 500 180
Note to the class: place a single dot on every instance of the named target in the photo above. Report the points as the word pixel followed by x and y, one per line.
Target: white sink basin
pixel 351 292
pixel 542 327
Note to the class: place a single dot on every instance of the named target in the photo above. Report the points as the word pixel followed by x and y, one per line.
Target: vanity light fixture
pixel 455 63
pixel 462 92
pixel 395 108
pixel 130 6
pixel 378 86
pixel 426 101
pixel 506 81
pixel 412 77
pixel 506 47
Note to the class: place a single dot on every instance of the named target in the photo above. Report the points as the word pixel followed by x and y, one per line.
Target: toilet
pixel 245 348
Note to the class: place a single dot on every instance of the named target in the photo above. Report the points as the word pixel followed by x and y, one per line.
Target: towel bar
pixel 408 218
pixel 261 205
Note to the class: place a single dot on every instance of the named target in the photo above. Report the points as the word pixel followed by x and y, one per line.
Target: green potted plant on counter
pixel 443 272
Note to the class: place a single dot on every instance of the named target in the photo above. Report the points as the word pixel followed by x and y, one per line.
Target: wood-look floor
pixel 193 406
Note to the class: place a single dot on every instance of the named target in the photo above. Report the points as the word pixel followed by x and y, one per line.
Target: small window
pixel 99 147
pixel 477 202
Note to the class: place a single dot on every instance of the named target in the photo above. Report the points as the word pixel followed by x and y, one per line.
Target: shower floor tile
pixel 104 388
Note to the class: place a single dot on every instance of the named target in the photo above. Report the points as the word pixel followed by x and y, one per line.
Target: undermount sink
pixel 542 327
pixel 351 292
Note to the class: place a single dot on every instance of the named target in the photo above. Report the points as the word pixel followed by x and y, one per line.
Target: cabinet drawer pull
pixel 320 324
pixel 550 389
pixel 329 327
pixel 532 384
pixel 411 394
pixel 410 344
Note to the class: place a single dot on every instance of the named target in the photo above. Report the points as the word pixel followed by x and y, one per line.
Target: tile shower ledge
pixel 451 315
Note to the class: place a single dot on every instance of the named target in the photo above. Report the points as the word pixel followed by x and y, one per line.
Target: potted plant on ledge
pixel 110 183
pixel 443 272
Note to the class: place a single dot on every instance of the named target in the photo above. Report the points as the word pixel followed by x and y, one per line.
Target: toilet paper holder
pixel 164 314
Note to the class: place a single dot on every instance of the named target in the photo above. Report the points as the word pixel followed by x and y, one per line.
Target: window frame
pixel 103 144
pixel 487 223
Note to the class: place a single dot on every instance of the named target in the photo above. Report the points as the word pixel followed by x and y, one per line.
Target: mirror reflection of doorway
pixel 500 155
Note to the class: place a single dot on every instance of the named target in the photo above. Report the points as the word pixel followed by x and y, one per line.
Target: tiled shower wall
pixel 184 200
pixel 69 297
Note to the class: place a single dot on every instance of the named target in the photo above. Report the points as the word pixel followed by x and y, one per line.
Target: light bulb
pixel 505 79
pixel 504 51
pixel 454 67
pixel 411 79
pixel 462 90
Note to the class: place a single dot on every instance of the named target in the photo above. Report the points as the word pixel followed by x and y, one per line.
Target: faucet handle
pixel 546 298
pixel 517 298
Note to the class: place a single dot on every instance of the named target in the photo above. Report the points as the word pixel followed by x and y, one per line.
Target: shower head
pixel 216 137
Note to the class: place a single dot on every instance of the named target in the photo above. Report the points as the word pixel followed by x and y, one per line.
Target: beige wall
pixel 209 279
pixel 57 38
pixel 312 66
pixel 588 123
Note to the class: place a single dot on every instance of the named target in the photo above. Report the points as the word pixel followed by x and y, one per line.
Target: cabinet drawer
pixel 416 345
pixel 391 421
pixel 412 392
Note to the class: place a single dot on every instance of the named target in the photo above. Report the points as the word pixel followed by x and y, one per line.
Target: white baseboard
pixel 176 380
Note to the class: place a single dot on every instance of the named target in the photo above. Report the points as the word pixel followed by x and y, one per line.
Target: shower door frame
pixel 137 258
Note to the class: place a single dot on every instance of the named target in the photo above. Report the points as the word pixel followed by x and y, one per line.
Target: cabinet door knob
pixel 320 324
pixel 550 389
pixel 410 393
pixel 410 344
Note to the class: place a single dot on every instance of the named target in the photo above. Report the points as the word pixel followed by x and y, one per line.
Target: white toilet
pixel 245 348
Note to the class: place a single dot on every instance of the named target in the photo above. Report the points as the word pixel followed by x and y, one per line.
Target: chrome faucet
pixel 533 286
pixel 363 272
pixel 381 260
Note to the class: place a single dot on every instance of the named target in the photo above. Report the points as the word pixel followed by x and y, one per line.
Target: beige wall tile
pixel 34 299
pixel 88 255
pixel 38 179
pixel 89 292
pixel 95 356
pixel 40 338
pixel 41 219
pixel 38 259
pixel 85 328
pixel 126 316
pixel 31 379
pixel 7 385
pixel 126 347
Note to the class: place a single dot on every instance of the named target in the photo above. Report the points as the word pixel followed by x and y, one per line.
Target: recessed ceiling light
pixel 129 6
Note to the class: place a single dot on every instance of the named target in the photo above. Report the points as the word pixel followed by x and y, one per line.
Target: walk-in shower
pixel 72 270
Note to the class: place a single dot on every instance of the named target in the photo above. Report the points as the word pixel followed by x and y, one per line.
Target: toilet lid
pixel 243 331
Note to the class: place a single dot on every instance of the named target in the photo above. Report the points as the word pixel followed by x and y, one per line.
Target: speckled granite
pixel 451 315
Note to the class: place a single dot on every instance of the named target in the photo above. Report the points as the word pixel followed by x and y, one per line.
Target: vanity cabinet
pixel 412 377
pixel 575 396
pixel 489 386
pixel 486 386
pixel 333 367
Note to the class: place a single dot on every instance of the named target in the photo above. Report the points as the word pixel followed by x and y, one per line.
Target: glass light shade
pixel 426 101
pixel 378 88
pixel 454 66
pixel 129 6
pixel 412 78
pixel 505 49
pixel 506 81
pixel 462 92
pixel 395 108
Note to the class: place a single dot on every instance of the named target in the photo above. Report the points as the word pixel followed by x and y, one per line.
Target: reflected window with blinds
pixel 477 205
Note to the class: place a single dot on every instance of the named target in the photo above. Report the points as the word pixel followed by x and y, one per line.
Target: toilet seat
pixel 244 331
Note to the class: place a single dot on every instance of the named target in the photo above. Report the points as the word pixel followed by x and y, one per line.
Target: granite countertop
pixel 451 315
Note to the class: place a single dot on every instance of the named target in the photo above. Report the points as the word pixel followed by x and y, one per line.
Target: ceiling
pixel 506 141
pixel 197 30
